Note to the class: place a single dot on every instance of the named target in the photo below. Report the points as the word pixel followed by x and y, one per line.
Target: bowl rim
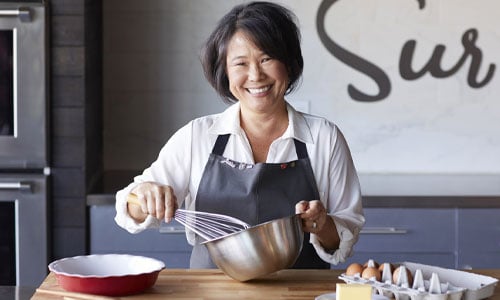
pixel 53 265
pixel 254 227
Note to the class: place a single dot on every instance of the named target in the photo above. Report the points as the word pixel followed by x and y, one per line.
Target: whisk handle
pixel 133 199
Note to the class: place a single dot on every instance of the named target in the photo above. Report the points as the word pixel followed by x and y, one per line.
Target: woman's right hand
pixel 154 199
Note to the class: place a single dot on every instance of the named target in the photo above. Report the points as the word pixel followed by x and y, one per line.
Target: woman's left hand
pixel 313 214
pixel 316 220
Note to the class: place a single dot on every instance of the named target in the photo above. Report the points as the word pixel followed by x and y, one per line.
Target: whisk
pixel 209 226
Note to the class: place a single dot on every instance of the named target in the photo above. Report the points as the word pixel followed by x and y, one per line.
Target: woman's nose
pixel 255 72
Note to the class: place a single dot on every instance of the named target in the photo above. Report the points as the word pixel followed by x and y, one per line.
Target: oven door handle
pixel 21 186
pixel 23 13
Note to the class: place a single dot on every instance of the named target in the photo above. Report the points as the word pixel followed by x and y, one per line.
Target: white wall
pixel 424 127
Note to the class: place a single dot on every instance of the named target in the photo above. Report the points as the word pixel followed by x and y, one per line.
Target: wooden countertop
pixel 213 284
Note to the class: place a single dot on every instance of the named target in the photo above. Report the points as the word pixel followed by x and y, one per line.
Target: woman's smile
pixel 258 91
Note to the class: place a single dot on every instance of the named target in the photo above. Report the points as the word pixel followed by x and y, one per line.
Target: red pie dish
pixel 107 274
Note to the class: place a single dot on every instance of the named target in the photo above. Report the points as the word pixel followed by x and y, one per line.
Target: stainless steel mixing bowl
pixel 258 250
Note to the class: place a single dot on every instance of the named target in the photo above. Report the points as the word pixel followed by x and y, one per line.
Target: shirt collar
pixel 298 128
pixel 229 122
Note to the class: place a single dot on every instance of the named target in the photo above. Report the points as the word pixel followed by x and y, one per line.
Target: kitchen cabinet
pixel 451 237
pixel 167 244
pixel 478 238
pixel 459 237
pixel 423 235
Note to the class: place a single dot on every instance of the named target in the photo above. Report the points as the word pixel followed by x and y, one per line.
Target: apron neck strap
pixel 220 145
pixel 301 149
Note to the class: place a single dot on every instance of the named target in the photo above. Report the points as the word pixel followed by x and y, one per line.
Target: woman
pixel 260 159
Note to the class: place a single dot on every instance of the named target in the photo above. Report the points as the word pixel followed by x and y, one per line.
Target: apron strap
pixel 301 149
pixel 221 142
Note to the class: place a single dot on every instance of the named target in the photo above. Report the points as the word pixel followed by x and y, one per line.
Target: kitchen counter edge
pixel 376 201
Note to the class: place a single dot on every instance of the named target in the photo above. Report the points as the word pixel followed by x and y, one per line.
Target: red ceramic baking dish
pixel 107 274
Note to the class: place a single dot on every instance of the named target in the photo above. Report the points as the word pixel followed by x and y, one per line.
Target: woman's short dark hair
pixel 273 29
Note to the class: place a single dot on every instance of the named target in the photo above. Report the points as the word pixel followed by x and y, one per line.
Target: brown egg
pixel 370 272
pixel 395 276
pixel 354 269
pixel 381 267
pixel 371 263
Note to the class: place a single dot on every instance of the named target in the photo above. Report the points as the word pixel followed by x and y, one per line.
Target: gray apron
pixel 255 193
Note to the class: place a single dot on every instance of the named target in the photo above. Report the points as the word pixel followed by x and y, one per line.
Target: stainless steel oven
pixel 23 251
pixel 24 167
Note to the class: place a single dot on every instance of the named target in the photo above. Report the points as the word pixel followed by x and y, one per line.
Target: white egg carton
pixel 429 283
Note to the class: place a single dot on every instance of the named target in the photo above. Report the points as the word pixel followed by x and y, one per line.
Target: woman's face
pixel 258 81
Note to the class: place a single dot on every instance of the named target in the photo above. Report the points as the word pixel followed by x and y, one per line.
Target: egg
pixel 395 276
pixel 371 272
pixel 354 269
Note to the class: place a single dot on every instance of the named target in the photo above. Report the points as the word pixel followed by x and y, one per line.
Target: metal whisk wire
pixel 209 225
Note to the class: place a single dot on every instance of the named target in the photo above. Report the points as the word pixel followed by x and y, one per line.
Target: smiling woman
pixel 259 160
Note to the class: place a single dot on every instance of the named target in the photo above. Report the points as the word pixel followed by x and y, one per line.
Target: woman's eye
pixel 266 59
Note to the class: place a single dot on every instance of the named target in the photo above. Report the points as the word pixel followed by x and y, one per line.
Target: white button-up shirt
pixel 182 160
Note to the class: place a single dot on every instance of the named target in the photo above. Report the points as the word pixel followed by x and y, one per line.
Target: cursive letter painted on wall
pixel 351 59
pixel 433 66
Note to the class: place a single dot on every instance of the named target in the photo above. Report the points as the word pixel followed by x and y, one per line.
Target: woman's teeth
pixel 259 90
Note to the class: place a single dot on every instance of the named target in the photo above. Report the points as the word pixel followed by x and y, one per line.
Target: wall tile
pixel 68 61
pixel 68 122
pixel 68 151
pixel 67 7
pixel 69 212
pixel 67 31
pixel 68 91
pixel 68 241
pixel 68 183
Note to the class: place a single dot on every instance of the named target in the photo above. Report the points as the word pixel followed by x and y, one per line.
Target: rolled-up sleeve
pixel 123 218
pixel 348 237
pixel 343 199
pixel 172 167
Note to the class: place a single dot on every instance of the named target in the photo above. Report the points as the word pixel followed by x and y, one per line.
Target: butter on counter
pixel 346 291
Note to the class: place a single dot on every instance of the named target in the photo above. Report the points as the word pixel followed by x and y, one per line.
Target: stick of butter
pixel 346 291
